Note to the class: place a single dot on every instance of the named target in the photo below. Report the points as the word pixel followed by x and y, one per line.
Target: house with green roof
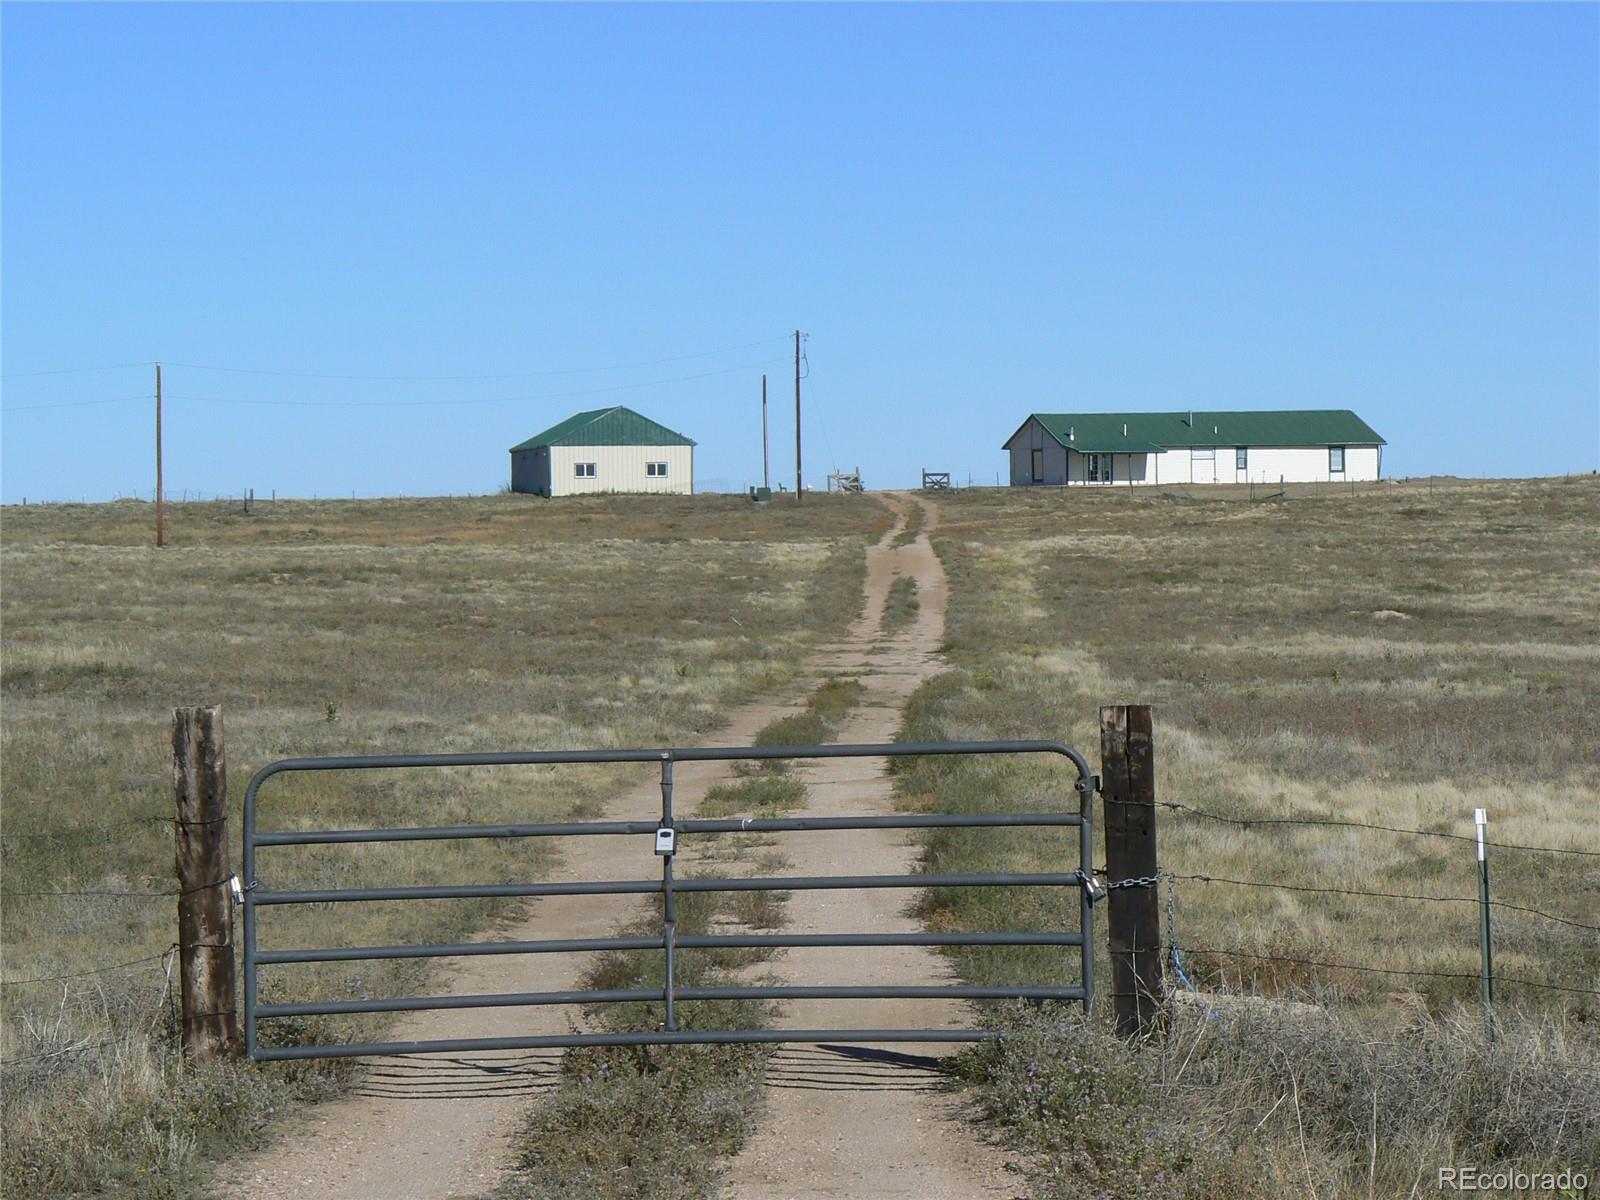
pixel 1286 446
pixel 604 450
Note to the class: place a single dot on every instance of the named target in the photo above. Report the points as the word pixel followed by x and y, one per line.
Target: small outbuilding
pixel 606 450
pixel 1289 446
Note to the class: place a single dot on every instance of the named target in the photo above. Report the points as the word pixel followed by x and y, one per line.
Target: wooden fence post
pixel 1133 923
pixel 205 925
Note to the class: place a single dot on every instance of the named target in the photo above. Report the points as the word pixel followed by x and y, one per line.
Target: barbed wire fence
pixel 1179 954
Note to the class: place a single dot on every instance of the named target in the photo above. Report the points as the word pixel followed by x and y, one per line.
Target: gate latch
pixel 666 839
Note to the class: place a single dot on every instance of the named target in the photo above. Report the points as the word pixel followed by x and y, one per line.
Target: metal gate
pixel 665 835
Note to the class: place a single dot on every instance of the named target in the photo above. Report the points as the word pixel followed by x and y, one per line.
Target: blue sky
pixel 974 212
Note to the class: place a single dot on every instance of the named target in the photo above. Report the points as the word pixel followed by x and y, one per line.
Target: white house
pixel 606 450
pixel 1294 446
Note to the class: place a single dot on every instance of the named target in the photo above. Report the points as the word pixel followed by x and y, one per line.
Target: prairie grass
pixel 912 528
pixel 647 1122
pixel 333 627
pixel 1395 657
pixel 1262 1101
pixel 1375 658
pixel 766 788
pixel 902 606
pixel 657 1122
pixel 812 725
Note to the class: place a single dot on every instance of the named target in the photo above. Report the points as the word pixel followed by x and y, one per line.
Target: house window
pixel 656 470
pixel 1099 468
pixel 1203 453
pixel 583 470
pixel 1241 459
pixel 1038 466
pixel 1336 460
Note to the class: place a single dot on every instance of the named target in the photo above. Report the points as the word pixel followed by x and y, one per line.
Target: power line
pixel 654 362
pixel 11 408
pixel 353 376
pixel 74 370
pixel 621 387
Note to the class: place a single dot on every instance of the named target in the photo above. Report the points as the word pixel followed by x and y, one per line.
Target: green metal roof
pixel 617 426
pixel 1152 433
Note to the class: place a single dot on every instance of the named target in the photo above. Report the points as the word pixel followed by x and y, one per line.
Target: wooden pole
pixel 161 502
pixel 1133 920
pixel 766 470
pixel 205 925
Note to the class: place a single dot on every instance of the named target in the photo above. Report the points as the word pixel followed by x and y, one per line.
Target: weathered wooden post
pixel 205 925
pixel 1133 922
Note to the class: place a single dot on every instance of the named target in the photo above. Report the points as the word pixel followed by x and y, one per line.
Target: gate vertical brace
pixel 669 908
pixel 1133 922
pixel 1085 900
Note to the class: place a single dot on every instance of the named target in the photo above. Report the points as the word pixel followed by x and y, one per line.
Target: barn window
pixel 657 470
pixel 583 470
pixel 1336 460
pixel 1241 459
pixel 1038 466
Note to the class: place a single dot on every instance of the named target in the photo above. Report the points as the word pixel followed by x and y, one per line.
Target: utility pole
pixel 799 482
pixel 766 472
pixel 161 514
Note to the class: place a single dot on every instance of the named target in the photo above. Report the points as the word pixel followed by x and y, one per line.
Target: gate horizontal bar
pixel 627 887
pixel 439 833
pixel 361 762
pixel 326 1008
pixel 679 1037
pixel 695 941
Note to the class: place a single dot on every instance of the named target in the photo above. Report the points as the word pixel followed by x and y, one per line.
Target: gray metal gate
pixel 665 834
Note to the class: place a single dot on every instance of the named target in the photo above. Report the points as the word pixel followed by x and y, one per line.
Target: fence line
pixel 1300 887
pixel 1232 819
pixel 204 887
pixel 132 962
pixel 1236 952
pixel 84 830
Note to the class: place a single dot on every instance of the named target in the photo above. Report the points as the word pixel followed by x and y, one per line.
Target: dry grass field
pixel 1398 657
pixel 332 627
pixel 1384 658
pixel 1395 656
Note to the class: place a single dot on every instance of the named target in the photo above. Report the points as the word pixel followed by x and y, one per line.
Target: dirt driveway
pixel 837 1124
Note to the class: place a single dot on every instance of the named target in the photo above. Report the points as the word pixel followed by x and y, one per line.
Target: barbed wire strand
pixel 132 962
pixel 84 1048
pixel 85 830
pixel 1301 887
pixel 1344 824
pixel 1235 952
